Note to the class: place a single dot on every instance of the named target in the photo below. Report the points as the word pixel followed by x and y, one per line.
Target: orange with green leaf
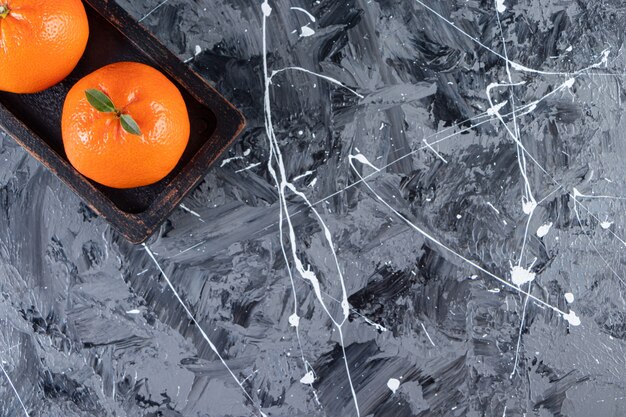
pixel 125 125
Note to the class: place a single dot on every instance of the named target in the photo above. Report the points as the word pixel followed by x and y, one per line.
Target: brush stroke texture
pixel 90 327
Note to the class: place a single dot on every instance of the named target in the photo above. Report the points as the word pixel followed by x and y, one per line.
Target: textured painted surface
pixel 91 326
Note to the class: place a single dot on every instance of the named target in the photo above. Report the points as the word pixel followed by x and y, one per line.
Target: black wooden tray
pixel 34 121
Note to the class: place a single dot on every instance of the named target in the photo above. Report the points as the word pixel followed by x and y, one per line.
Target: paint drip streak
pixel 202 332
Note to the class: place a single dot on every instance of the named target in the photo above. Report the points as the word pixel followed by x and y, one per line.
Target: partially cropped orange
pixel 99 145
pixel 41 41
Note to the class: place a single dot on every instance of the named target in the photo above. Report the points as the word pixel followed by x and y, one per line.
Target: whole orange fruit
pixel 125 125
pixel 41 41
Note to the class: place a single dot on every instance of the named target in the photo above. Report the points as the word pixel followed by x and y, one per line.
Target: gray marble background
pixel 426 245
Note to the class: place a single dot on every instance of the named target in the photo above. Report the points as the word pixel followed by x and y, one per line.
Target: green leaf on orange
pixel 129 124
pixel 100 101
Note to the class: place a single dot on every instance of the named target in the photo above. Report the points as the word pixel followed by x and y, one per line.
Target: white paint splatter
pixel 448 249
pixel 605 57
pixel 531 106
pixel 14 389
pixel 572 318
pixel 153 10
pixel 277 170
pixel 591 242
pixel 476 121
pixel 306 31
pixel 188 210
pixel 308 378
pixel 435 152
pixel 324 77
pixel 246 378
pixel 300 9
pixel 514 65
pixel 200 329
pixel 528 206
pixel 520 275
pixel 569 297
pixel 500 6
pixel 249 167
pixel 427 335
pixel 266 8
pixel 528 200
pixel 606 224
pixel 371 323
pixel 229 160
pixel 493 207
pixel 294 320
pixel 520 329
pixel 362 159
pixel 544 229
pixel 493 110
pixel 299 177
pixel 393 384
